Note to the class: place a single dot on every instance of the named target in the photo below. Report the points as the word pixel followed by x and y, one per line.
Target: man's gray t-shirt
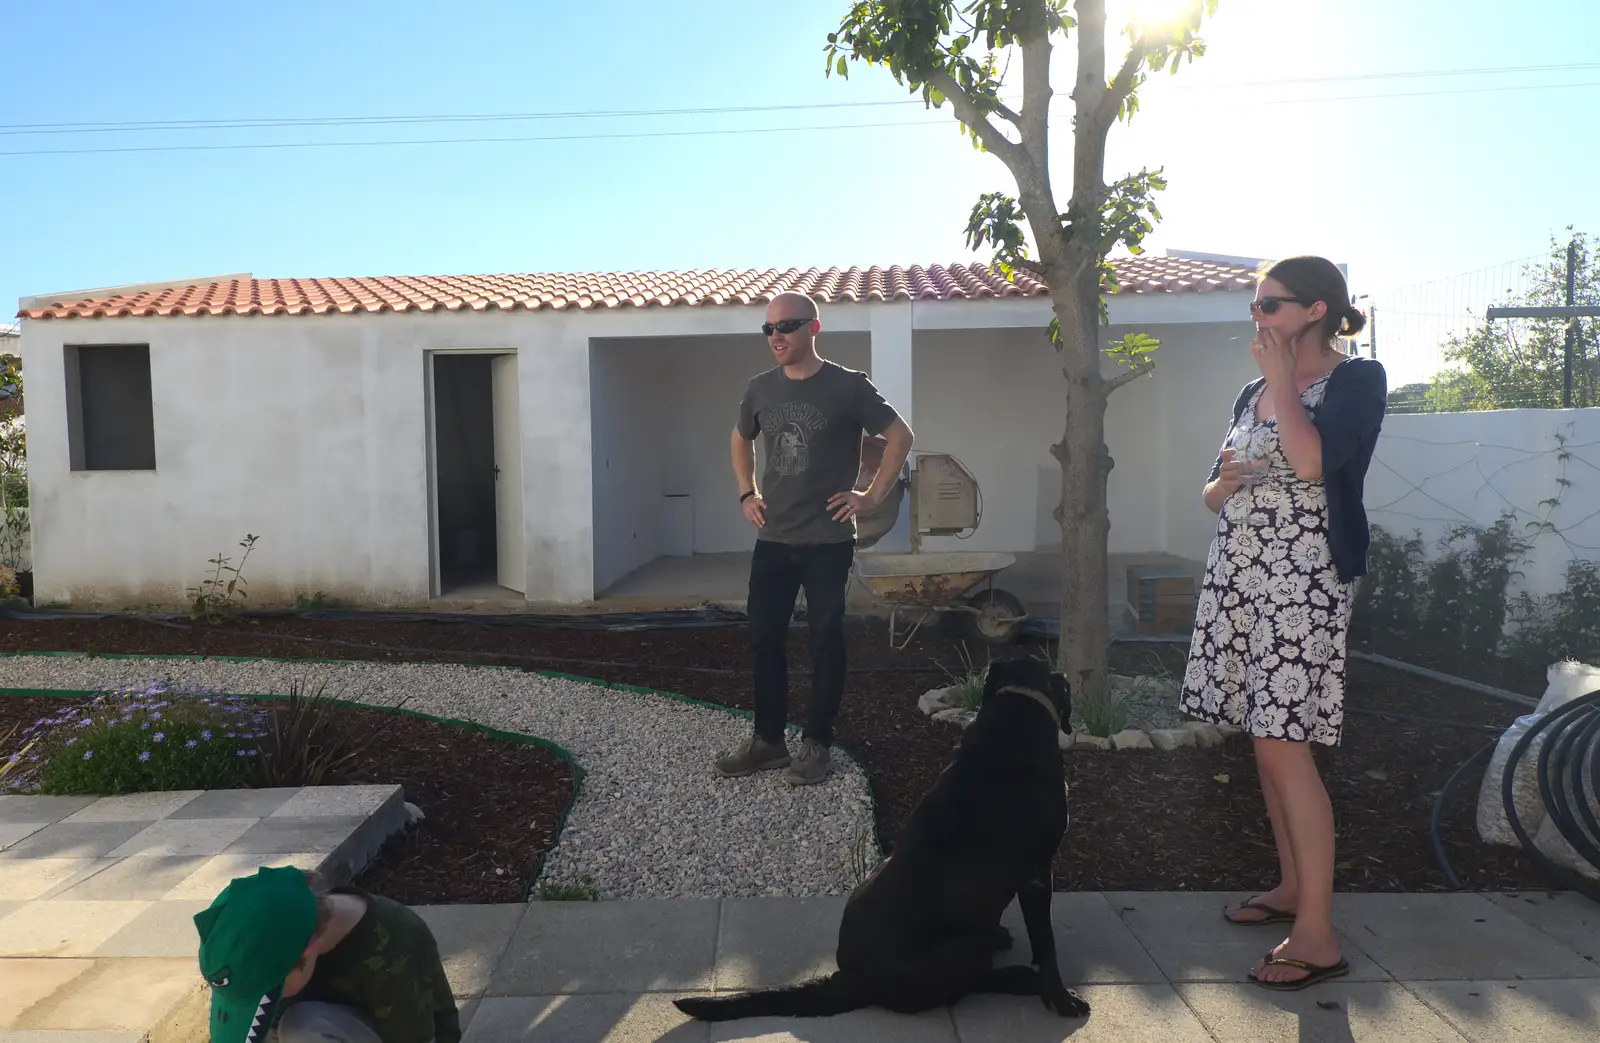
pixel 811 431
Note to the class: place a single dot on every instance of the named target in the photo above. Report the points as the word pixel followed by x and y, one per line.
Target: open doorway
pixel 477 464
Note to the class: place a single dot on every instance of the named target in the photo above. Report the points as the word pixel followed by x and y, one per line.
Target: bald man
pixel 811 414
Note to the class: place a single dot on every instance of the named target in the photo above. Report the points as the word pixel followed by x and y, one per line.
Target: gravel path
pixel 651 819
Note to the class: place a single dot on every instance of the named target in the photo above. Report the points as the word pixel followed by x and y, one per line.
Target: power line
pixel 324 121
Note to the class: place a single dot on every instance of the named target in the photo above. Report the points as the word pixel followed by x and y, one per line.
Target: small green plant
pixel 1563 625
pixel 969 683
pixel 213 599
pixel 864 854
pixel 140 738
pixel 1099 708
pixel 314 601
pixel 12 761
pixel 306 741
pixel 580 890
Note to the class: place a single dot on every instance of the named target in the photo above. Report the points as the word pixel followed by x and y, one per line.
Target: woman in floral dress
pixel 1268 653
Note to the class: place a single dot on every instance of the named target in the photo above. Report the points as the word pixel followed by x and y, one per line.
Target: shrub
pixel 141 738
pixel 306 740
pixel 1099 707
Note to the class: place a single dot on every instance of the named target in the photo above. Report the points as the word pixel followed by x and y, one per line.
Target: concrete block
pixel 1453 937
pixel 612 1018
pixel 236 803
pixel 1568 917
pixel 1206 735
pixel 64 929
pixel 138 879
pixel 216 872
pixel 768 942
pixel 274 835
pixel 1093 945
pixel 126 995
pixel 1186 935
pixel 74 840
pixel 471 940
pixel 24 879
pixel 1168 739
pixel 1119 1013
pixel 162 929
pixel 1091 742
pixel 30 981
pixel 1247 1013
pixel 634 946
pixel 21 807
pixel 135 807
pixel 1515 1010
pixel 15 832
pixel 176 837
pixel 338 801
pixel 1131 739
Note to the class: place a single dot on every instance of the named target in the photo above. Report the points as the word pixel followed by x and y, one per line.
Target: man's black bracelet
pixel 747 496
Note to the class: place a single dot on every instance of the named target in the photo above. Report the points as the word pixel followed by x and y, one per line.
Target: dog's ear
pixel 999 673
pixel 1061 692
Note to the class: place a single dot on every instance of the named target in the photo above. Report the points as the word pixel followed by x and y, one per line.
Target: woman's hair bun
pixel 1353 321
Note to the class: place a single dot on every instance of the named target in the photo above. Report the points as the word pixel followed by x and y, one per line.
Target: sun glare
pixel 1149 13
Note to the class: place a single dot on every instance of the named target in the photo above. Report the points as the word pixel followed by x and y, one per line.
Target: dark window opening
pixel 110 414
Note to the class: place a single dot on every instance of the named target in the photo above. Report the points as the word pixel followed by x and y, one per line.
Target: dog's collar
pixel 1038 697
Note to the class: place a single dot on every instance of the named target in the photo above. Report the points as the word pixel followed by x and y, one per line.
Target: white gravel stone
pixel 651 820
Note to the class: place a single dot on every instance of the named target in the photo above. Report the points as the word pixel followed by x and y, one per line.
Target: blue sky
pixel 1273 143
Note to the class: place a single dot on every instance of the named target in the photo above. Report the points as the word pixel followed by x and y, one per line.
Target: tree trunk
pixel 1085 471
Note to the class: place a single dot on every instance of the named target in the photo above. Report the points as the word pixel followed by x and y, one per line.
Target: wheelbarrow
pixel 945 500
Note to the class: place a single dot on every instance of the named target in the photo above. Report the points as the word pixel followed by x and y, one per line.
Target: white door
pixel 511 548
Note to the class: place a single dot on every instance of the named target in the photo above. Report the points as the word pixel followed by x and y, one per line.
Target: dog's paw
pixel 1064 1001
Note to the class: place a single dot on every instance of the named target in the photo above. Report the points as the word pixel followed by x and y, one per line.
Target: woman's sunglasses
pixel 782 326
pixel 1269 305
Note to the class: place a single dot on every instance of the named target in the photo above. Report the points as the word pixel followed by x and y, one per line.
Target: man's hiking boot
pixel 757 754
pixel 810 767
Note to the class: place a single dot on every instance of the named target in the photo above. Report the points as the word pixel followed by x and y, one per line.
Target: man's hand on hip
pixel 845 506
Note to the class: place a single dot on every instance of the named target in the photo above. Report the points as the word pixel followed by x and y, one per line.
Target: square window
pixel 110 414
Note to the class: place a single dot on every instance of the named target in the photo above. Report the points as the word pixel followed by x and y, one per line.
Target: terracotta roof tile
pixel 591 290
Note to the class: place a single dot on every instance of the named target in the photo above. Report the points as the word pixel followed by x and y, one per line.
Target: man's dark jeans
pixel 777 572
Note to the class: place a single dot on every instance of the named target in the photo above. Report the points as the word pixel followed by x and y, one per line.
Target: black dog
pixel 921 931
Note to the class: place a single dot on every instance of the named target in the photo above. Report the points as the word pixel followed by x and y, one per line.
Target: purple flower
pixel 88 754
pixel 191 744
pixel 72 740
pixel 144 726
pixel 85 723
pixel 159 736
pixel 206 735
pixel 156 714
pixel 144 756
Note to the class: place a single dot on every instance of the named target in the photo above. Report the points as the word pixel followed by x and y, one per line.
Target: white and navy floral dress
pixel 1268 653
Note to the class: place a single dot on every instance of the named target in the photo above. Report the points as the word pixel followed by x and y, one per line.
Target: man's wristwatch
pixel 747 496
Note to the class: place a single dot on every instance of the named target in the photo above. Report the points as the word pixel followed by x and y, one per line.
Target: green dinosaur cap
pixel 251 937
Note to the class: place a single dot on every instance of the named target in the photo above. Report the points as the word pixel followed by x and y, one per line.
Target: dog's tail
pixel 818 998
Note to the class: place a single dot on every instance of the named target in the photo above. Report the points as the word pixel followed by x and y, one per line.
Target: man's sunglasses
pixel 1269 305
pixel 782 326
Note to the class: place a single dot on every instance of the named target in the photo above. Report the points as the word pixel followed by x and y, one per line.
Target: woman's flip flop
pixel 1273 915
pixel 1314 973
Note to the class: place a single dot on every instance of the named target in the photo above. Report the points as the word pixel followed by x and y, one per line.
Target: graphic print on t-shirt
pixel 793 424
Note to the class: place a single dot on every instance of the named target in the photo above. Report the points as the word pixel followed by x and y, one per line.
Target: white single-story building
pixel 562 440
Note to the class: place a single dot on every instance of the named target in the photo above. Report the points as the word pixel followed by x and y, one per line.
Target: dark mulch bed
pixel 1494 670
pixel 492 807
pixel 1141 820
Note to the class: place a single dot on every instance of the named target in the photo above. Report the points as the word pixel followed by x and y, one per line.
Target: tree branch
pixel 1034 126
pixel 1126 378
pixel 968 112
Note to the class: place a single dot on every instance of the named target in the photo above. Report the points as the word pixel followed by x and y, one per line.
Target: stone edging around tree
pixel 939 703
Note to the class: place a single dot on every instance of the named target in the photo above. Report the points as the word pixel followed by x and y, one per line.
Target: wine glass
pixel 1252 467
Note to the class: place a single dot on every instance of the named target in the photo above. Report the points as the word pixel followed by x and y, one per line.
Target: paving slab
pixel 633 946
pixel 141 878
pixel 23 807
pixel 1566 916
pixel 1333 1012
pixel 768 942
pixel 13 832
pixel 30 980
pixel 873 1025
pixel 1093 944
pixel 127 995
pixel 67 1036
pixel 135 807
pixel 162 929
pixel 1453 937
pixel 1186 935
pixel 237 803
pixel 601 1018
pixel 74 840
pixel 274 834
pixel 471 940
pixel 215 872
pixel 1516 1011
pixel 338 801
pixel 25 879
pixel 6 908
pixel 1119 1014
pixel 64 928
pixel 174 837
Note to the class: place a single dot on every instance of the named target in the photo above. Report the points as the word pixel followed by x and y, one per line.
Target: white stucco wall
pixel 1433 471
pixel 996 400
